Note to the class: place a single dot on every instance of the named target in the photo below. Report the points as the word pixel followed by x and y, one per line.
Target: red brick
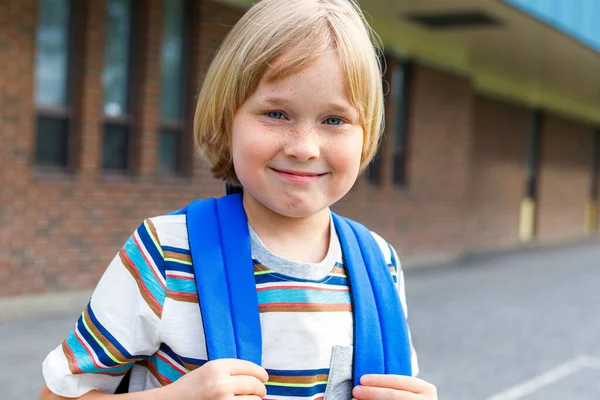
pixel 498 173
pixel 564 179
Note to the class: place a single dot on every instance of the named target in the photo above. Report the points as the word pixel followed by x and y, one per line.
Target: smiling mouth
pixel 297 173
pixel 298 176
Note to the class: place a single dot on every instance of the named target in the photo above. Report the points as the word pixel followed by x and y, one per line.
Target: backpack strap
pixel 381 341
pixel 225 278
pixel 226 287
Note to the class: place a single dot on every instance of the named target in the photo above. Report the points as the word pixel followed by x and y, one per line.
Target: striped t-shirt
pixel 144 316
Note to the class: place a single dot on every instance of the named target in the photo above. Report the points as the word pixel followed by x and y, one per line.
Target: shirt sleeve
pixel 119 326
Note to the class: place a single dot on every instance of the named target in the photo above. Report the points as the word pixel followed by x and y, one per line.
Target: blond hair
pixel 302 30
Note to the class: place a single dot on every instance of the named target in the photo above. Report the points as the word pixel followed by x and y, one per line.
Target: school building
pixel 492 137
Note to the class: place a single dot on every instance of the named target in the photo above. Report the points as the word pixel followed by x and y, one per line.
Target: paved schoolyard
pixel 513 326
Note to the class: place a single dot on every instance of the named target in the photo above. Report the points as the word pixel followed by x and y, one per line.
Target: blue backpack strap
pixel 220 248
pixel 394 329
pixel 235 238
pixel 381 341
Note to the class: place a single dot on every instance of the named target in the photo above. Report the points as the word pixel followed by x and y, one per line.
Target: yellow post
pixel 591 216
pixel 527 222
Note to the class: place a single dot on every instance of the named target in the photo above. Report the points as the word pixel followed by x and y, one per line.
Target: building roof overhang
pixel 504 51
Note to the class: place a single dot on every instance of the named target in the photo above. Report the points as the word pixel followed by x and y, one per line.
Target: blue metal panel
pixel 579 19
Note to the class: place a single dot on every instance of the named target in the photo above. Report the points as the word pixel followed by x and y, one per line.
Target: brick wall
pixel 564 179
pixel 16 108
pixel 427 218
pixel 465 163
pixel 73 226
pixel 59 233
pixel 498 173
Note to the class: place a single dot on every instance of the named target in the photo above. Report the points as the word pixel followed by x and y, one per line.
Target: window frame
pixel 71 110
pixel 126 120
pixel 183 125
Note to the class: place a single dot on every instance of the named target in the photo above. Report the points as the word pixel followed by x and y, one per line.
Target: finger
pixel 399 382
pixel 378 393
pixel 244 397
pixel 249 385
pixel 243 367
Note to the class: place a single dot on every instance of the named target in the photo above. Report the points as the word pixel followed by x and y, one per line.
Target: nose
pixel 303 143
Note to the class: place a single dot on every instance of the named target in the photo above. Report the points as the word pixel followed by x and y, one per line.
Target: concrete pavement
pixel 23 347
pixel 498 327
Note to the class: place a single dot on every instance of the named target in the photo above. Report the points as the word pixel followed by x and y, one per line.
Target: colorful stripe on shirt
pixel 281 294
pixel 142 257
pixel 90 348
pixel 167 366
pixel 309 384
pixel 181 285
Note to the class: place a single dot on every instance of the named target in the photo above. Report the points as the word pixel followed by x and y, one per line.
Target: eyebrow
pixel 274 101
pixel 279 101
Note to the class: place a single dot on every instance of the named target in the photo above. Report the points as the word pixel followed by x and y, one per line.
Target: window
pixel 396 98
pixel 117 145
pixel 595 165
pixel 52 97
pixel 533 153
pixel 400 95
pixel 171 147
pixel 374 168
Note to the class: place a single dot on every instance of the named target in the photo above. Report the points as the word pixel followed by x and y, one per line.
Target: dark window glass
pixel 533 153
pixel 52 58
pixel 52 143
pixel 53 43
pixel 396 92
pixel 172 95
pixel 116 147
pixel 115 77
pixel 374 168
pixel 400 77
pixel 169 150
pixel 595 165
pixel 116 81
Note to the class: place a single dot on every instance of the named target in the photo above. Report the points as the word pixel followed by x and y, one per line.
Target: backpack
pixel 218 231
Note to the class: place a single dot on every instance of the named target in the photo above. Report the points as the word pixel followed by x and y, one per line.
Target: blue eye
pixel 275 114
pixel 333 121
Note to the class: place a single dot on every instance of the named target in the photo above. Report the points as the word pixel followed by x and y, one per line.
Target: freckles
pixel 302 133
pixel 298 132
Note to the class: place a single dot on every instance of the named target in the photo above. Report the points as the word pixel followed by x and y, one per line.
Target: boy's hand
pixel 219 380
pixel 393 387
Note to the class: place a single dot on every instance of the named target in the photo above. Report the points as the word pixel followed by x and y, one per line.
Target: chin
pixel 295 210
pixel 297 213
pixel 294 207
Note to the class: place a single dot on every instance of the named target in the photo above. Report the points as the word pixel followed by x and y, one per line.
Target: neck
pixel 301 239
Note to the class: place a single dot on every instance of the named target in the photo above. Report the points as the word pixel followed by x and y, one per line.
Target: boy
pixel 291 110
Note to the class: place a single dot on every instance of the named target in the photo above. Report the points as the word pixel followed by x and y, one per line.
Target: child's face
pixel 297 142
